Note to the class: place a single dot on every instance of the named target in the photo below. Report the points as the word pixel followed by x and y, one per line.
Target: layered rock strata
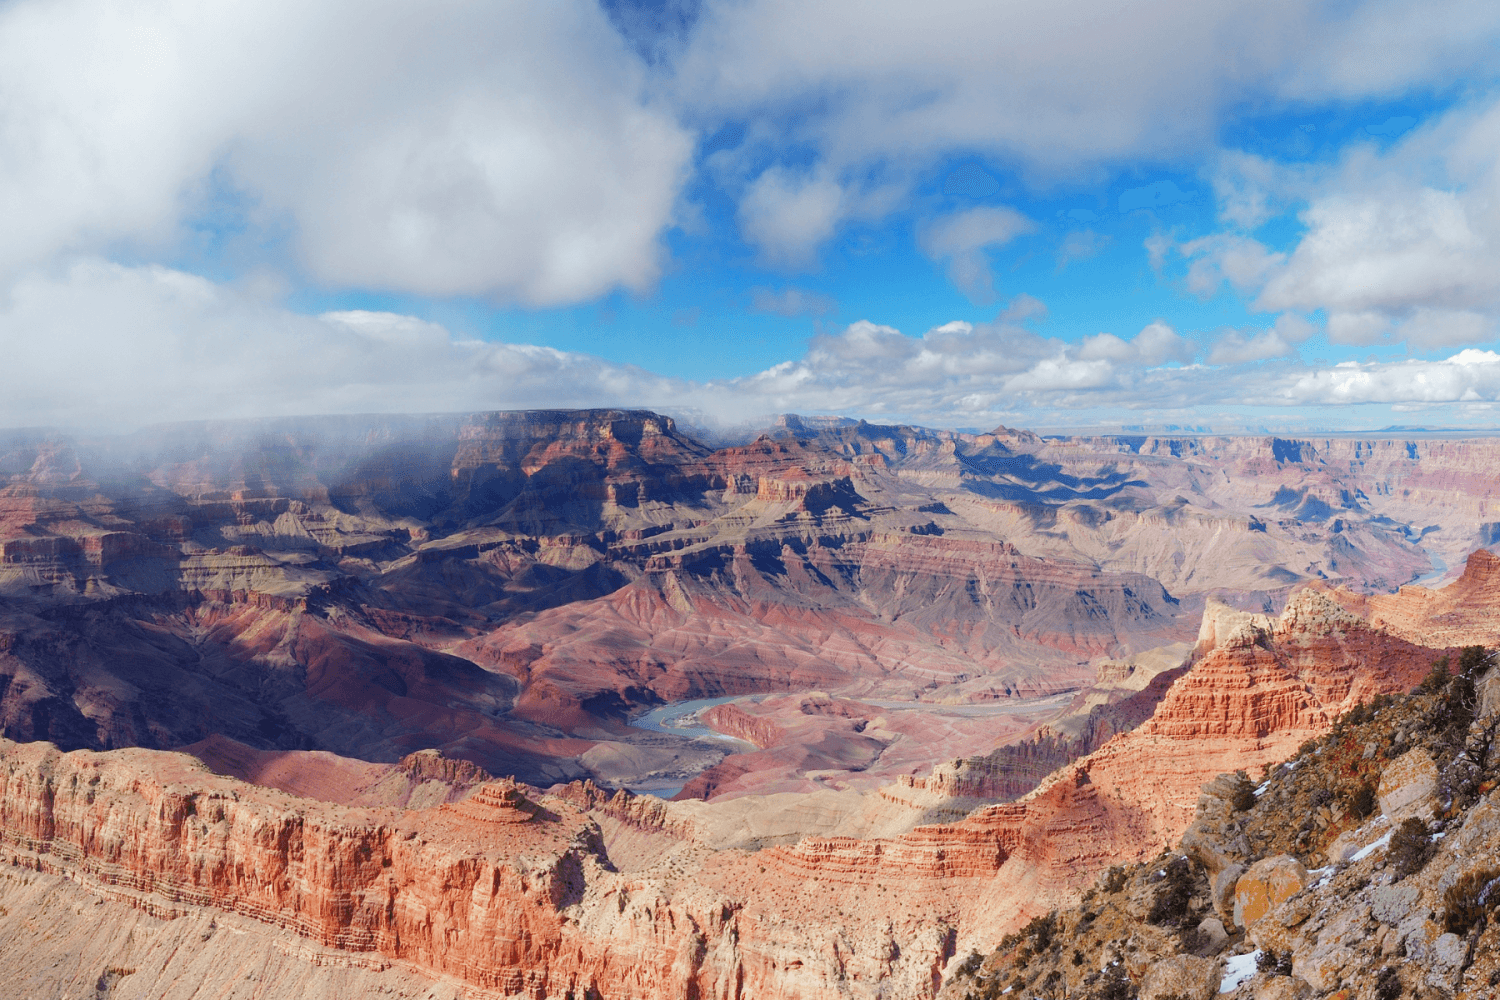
pixel 519 892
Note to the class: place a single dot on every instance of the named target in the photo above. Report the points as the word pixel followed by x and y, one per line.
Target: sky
pixel 1223 216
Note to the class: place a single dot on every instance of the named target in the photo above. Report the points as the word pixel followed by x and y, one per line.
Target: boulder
pixel 1323 966
pixel 1212 934
pixel 1223 890
pixel 1390 904
pixel 1408 785
pixel 1488 691
pixel 1281 988
pixel 1181 975
pixel 1267 883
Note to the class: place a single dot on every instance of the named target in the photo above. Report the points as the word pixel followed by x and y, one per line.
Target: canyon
pixel 360 690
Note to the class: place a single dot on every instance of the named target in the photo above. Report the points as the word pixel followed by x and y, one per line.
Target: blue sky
pixel 1060 215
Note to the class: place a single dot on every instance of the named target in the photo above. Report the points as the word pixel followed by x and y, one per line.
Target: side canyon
pixel 356 696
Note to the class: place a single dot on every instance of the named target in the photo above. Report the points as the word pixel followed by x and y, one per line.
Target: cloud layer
pixel 507 149
pixel 97 345
pixel 533 155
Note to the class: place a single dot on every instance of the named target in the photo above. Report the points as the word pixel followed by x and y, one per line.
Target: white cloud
pixel 1467 376
pixel 99 345
pixel 506 149
pixel 102 346
pixel 1022 308
pixel 961 238
pixel 1238 347
pixel 788 216
pixel 1400 245
pixel 861 87
pixel 1156 343
pixel 1242 261
pixel 1386 250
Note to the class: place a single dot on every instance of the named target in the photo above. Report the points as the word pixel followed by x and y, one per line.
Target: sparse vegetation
pixel 1113 984
pixel 1364 800
pixel 1468 901
pixel 1243 797
pixel 1410 849
pixel 1170 906
pixel 1304 806
pixel 1273 963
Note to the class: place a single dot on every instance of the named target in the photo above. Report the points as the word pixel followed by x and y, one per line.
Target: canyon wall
pixel 520 892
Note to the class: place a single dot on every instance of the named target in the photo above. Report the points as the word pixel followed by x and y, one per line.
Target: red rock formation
pixel 515 891
pixel 1464 613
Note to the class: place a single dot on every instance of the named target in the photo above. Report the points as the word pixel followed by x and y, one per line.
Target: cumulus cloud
pixel 961 238
pixel 1468 376
pixel 505 149
pixel 1239 346
pixel 1155 344
pixel 788 216
pixel 1400 245
pixel 1059 89
pixel 98 345
pixel 1242 261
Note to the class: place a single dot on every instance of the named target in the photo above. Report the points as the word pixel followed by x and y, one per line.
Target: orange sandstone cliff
pixel 517 892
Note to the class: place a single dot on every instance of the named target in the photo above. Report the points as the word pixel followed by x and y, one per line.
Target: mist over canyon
pixel 572 703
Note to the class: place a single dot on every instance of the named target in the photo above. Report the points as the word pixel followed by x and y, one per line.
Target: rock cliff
pixel 518 891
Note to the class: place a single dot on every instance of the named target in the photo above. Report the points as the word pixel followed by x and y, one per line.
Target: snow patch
pixel 1237 969
pixel 1365 852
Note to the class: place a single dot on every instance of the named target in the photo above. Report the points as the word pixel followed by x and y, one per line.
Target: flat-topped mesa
pixel 431 765
pixel 531 436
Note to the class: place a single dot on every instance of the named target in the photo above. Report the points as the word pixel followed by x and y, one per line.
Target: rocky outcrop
pixel 1410 912
pixel 1267 884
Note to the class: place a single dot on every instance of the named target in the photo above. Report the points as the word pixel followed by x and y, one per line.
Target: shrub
pixel 1113 880
pixel 1468 900
pixel 1041 931
pixel 1473 661
pixel 1114 985
pixel 1195 942
pixel 1170 907
pixel 1243 796
pixel 1387 984
pixel 1410 849
pixel 1436 678
pixel 1364 800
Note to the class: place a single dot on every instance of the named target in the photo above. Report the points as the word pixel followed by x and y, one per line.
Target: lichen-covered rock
pixel 1281 988
pixel 1390 904
pixel 1267 883
pixel 1181 976
pixel 1407 786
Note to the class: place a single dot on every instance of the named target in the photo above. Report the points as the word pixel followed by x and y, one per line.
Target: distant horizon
pixel 689 423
